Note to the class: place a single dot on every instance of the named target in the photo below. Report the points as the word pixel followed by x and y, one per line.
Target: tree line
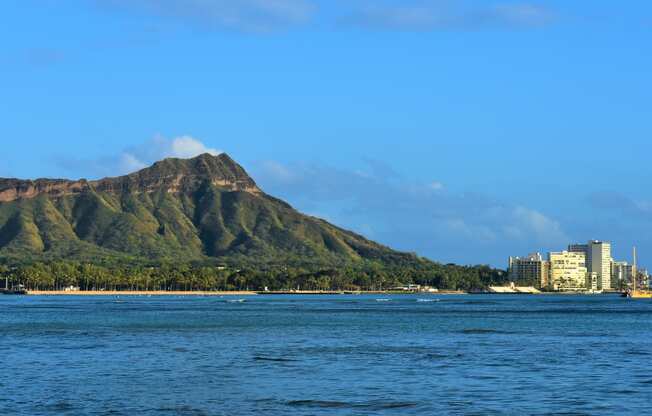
pixel 366 275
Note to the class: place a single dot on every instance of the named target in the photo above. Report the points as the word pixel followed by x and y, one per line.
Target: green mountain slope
pixel 178 209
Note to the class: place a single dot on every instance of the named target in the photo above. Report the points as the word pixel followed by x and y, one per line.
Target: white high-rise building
pixel 598 260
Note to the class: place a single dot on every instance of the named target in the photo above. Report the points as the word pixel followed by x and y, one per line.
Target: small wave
pixel 481 331
pixel 427 300
pixel 319 403
pixel 479 302
pixel 236 301
pixel 274 359
pixel 84 347
pixel 181 410
pixel 486 377
pixel 636 352
pixel 383 300
pixel 623 392
pixel 436 356
pixel 392 405
pixel 62 406
pixel 326 404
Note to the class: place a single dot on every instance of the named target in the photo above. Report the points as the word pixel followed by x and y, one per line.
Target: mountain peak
pixel 199 208
pixel 177 175
pixel 171 175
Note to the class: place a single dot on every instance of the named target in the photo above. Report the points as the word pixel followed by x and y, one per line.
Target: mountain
pixel 202 208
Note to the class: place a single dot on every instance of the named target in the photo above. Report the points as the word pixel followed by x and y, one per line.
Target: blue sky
pixel 463 130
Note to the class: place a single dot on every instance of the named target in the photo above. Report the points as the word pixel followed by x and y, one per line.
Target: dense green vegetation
pixel 168 227
pixel 360 276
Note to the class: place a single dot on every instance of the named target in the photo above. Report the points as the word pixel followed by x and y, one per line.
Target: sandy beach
pixel 222 293
pixel 134 293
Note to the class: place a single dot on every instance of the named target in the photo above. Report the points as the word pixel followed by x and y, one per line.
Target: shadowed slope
pixel 204 207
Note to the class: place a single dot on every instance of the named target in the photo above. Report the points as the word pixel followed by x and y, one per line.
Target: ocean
pixel 326 355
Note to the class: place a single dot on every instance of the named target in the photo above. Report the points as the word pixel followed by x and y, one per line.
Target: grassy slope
pixel 208 222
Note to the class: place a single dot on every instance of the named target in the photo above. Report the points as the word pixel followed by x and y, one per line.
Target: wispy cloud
pixel 620 204
pixel 137 157
pixel 265 16
pixel 410 215
pixel 439 15
pixel 239 15
pixel 623 219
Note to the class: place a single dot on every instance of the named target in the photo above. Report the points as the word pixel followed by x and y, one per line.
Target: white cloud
pixel 129 163
pixel 160 147
pixel 186 147
pixel 436 186
pixel 139 156
pixel 428 15
pixel 535 224
pixel 265 16
pixel 239 15
pixel 523 14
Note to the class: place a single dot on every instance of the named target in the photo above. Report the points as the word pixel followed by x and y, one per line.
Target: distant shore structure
pixel 582 267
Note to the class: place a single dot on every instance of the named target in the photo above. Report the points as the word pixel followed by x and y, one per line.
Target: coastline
pixel 221 293
pixel 134 293
pixel 280 292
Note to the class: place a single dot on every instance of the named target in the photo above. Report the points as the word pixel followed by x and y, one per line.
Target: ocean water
pixel 326 355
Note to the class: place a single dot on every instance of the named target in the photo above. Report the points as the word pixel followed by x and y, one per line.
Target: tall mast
pixel 634 272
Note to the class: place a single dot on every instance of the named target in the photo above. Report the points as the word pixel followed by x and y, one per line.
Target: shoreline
pixel 135 293
pixel 224 293
pixel 278 293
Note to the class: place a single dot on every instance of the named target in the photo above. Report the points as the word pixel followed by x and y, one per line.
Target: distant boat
pixel 16 290
pixel 638 294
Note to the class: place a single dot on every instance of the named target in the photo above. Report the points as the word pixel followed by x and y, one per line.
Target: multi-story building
pixel 598 260
pixel 531 270
pixel 621 274
pixel 579 248
pixel 567 271
pixel 592 281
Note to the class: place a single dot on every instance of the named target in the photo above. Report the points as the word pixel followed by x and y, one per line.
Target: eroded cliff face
pixel 13 189
pixel 170 175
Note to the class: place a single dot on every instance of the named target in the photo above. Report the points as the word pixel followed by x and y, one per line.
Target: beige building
pixel 567 271
pixel 532 270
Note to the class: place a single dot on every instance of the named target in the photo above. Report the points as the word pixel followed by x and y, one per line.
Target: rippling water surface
pixel 340 355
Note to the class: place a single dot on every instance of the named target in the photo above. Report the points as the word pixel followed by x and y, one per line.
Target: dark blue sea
pixel 323 355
